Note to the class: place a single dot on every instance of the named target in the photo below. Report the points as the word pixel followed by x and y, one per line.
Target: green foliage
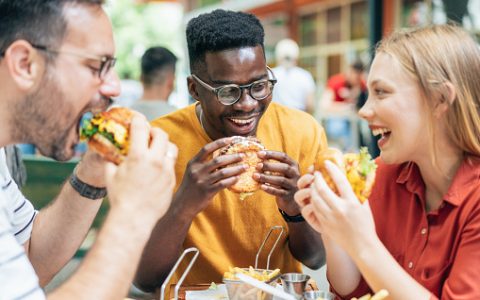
pixel 140 26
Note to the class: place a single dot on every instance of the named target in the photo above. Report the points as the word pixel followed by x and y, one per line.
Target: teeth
pixel 241 122
pixel 379 131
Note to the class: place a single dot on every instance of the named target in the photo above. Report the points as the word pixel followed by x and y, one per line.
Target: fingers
pixel 172 151
pixel 208 149
pixel 159 143
pixel 340 180
pixel 289 171
pixel 223 161
pixel 305 181
pixel 139 135
pixel 275 190
pixel 322 205
pixel 302 197
pixel 321 192
pixel 312 218
pixel 279 156
pixel 226 173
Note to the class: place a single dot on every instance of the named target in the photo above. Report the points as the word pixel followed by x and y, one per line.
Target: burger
pixel 246 185
pixel 359 169
pixel 108 133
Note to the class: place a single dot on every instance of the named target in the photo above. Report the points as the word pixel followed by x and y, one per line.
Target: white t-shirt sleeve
pixel 21 211
pixel 17 276
pixel 309 82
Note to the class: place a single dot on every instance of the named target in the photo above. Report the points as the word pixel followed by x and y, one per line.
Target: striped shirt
pixel 20 210
pixel 17 276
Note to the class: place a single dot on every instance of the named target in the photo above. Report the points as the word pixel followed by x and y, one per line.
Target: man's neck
pixel 155 93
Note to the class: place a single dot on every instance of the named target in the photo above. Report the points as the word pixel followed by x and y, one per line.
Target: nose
pixel 111 85
pixel 246 102
pixel 367 111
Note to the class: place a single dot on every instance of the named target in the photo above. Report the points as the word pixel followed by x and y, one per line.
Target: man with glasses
pixel 56 59
pixel 233 88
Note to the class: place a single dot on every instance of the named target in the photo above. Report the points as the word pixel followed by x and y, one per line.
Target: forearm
pixel 306 245
pixel 109 267
pixel 58 231
pixel 163 248
pixel 342 272
pixel 381 271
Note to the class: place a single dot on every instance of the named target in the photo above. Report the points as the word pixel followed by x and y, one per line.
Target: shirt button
pixel 423 231
pixel 410 265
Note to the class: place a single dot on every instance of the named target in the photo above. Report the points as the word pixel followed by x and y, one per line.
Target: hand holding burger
pixel 359 169
pixel 249 146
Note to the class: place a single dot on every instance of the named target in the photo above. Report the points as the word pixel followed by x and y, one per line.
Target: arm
pixel 203 178
pixel 279 178
pixel 140 191
pixel 350 225
pixel 60 228
pixel 336 257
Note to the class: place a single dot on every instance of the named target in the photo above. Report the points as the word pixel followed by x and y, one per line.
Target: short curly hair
pixel 221 30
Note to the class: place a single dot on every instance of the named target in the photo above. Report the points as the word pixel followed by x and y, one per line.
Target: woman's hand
pixel 343 218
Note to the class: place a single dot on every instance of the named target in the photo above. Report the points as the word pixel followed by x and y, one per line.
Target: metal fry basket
pixel 239 290
pixel 185 273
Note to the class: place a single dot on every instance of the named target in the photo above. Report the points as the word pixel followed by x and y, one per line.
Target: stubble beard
pixel 40 119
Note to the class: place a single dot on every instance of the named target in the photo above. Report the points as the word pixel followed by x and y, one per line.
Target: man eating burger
pixel 233 88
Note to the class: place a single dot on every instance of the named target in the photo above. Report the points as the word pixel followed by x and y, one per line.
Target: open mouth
pixel 384 134
pixel 242 126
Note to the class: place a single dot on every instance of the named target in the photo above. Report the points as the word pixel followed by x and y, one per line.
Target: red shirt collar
pixel 465 180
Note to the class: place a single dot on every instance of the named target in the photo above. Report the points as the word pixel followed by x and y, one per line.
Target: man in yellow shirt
pixel 233 87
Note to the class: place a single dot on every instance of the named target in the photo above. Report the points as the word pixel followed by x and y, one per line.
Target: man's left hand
pixel 278 175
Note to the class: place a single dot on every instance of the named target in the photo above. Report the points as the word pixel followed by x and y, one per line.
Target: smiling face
pixel 238 66
pixel 49 116
pixel 396 111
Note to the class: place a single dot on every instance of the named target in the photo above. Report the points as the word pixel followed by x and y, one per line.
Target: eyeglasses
pixel 229 94
pixel 106 62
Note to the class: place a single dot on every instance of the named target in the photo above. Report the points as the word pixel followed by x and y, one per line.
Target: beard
pixel 45 119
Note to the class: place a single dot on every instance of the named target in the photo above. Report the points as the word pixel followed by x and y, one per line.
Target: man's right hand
pixel 143 184
pixel 205 176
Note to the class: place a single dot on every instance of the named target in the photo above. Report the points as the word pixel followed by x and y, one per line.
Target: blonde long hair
pixel 433 56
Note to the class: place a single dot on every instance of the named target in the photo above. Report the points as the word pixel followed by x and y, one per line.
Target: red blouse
pixel 441 248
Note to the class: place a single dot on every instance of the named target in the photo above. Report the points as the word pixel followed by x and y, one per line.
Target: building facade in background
pixel 333 33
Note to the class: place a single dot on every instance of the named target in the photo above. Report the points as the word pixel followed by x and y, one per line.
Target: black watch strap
pixel 291 219
pixel 86 190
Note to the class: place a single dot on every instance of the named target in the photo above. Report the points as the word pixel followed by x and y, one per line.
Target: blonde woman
pixel 418 236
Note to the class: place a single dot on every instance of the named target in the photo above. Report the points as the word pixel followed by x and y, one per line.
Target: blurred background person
pixel 345 88
pixel 295 86
pixel 158 81
pixel 339 101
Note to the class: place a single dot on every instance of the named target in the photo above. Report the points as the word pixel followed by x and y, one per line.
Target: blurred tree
pixel 140 26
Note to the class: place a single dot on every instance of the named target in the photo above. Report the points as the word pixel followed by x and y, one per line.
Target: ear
pixel 171 81
pixel 446 99
pixel 192 88
pixel 24 64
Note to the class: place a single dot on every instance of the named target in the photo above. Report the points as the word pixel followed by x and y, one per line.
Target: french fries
pixel 238 290
pixel 261 275
pixel 381 294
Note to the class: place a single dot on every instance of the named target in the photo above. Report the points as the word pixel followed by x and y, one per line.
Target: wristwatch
pixel 291 219
pixel 86 190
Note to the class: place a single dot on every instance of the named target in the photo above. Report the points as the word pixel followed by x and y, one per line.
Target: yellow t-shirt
pixel 229 231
